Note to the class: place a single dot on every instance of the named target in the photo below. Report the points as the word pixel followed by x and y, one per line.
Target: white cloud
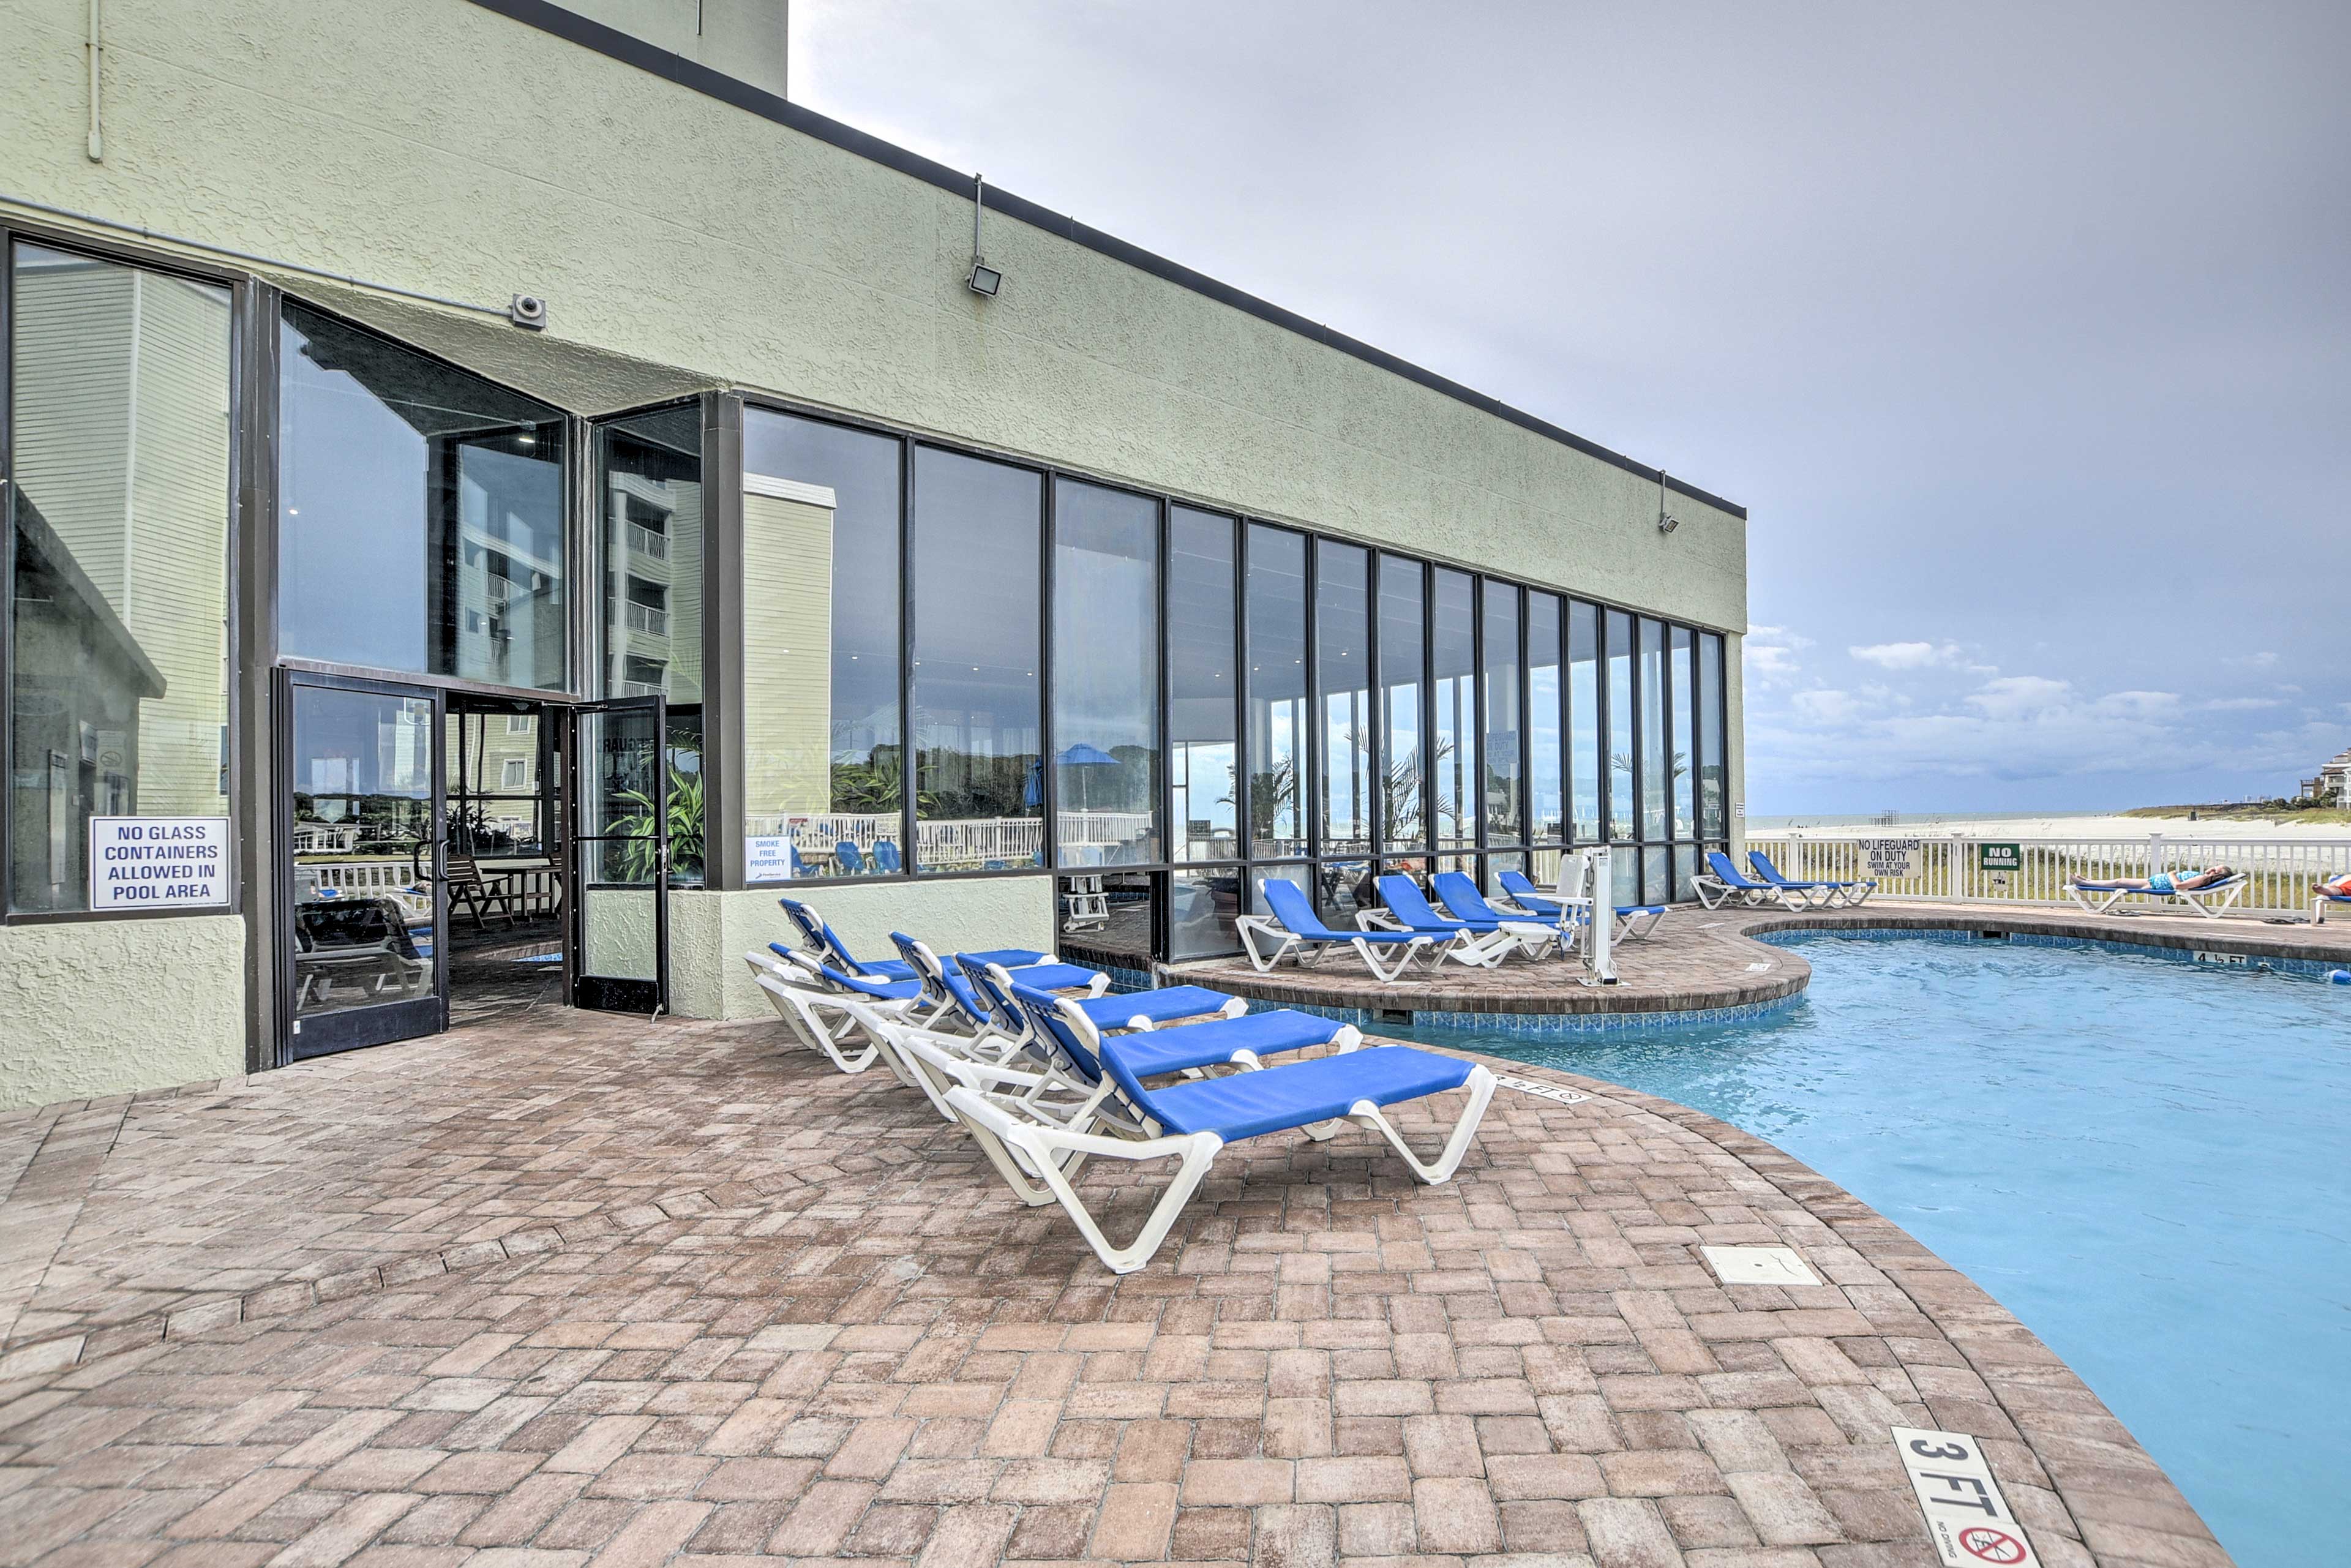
pixel 2013 696
pixel 2239 705
pixel 1769 655
pixel 1906 656
pixel 2139 705
pixel 1824 707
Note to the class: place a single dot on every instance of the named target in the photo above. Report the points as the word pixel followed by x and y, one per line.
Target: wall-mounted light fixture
pixel 983 279
pixel 1667 522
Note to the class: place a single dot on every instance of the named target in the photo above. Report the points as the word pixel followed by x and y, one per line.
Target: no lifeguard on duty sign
pixel 157 863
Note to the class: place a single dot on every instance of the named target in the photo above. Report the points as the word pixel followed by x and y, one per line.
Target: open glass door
pixel 616 776
pixel 365 940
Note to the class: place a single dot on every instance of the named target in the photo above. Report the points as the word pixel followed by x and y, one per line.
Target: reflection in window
pixel 980 777
pixel 1545 772
pixel 118 562
pixel 822 764
pixel 1584 718
pixel 1654 758
pixel 649 483
pixel 1711 778
pixel 1402 645
pixel 1684 750
pixel 1277 689
pixel 1202 905
pixel 1105 674
pixel 1203 693
pixel 1502 780
pixel 1453 643
pixel 1343 671
pixel 1620 728
pixel 420 520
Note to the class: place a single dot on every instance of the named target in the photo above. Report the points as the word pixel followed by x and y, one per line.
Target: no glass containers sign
pixel 157 863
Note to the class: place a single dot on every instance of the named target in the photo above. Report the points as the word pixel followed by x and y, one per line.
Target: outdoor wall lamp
pixel 983 281
pixel 1667 522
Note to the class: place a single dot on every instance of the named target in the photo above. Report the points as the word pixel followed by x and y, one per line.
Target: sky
pixel 2023 331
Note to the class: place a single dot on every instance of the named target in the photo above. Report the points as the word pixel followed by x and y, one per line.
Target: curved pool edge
pixel 2301 950
pixel 2086 1489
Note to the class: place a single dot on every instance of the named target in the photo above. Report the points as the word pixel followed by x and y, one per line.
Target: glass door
pixel 361 828
pixel 616 776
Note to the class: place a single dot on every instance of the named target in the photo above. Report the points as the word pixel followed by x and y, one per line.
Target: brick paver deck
pixel 595 1288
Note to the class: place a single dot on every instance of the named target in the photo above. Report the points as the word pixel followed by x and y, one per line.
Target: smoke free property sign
pixel 159 863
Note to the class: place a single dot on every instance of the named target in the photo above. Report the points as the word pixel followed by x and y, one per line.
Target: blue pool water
pixel 2147 1161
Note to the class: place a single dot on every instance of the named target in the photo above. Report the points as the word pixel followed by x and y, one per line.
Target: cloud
pixel 2139 705
pixel 2239 705
pixel 1823 706
pixel 2012 697
pixel 1906 656
pixel 1769 655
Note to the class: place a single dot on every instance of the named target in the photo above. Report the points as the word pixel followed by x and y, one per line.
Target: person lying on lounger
pixel 2334 886
pixel 2162 882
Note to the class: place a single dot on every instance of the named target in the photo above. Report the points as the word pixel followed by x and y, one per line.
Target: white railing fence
pixel 2279 872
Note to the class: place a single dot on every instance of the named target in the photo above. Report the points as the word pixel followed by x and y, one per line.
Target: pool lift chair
pixel 1572 905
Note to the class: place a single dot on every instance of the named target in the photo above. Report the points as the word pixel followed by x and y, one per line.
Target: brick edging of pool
pixel 2100 1482
pixel 2304 950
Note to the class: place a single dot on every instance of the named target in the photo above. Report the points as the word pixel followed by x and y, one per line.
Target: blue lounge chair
pixel 1852 894
pixel 1481 944
pixel 800 868
pixel 1074 1040
pixel 961 999
pixel 2320 900
pixel 1464 903
pixel 822 940
pixel 1290 923
pixel 886 856
pixel 1634 920
pixel 1197 1118
pixel 849 1027
pixel 1726 884
pixel 846 856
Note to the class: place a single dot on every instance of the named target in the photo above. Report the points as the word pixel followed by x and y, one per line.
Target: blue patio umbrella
pixel 1078 756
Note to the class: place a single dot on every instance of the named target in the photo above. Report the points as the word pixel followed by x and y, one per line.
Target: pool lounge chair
pixel 961 1003
pixel 1199 1117
pixel 1476 943
pixel 2100 897
pixel 1634 920
pixel 819 1015
pixel 1727 883
pixel 1290 923
pixel 2319 901
pixel 1852 894
pixel 823 941
pixel 1464 903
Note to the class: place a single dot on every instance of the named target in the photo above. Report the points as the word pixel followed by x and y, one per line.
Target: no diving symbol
pixel 1989 1545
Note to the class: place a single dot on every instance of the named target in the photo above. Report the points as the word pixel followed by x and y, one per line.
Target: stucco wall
pixel 449 148
pixel 710 932
pixel 107 1007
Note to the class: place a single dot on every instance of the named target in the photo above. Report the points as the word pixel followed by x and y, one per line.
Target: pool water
pixel 2147 1161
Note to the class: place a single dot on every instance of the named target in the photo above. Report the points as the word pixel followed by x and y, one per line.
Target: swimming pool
pixel 2148 1163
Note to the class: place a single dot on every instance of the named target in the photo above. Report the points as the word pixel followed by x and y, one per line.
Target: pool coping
pixel 2117 1506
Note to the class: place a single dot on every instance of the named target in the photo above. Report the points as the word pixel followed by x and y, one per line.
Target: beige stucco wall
pixel 448 149
pixel 106 1007
pixel 710 932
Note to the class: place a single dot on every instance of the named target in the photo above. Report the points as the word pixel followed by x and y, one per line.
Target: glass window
pixel 1202 905
pixel 1342 670
pixel 1585 730
pixel 1685 752
pixel 1684 868
pixel 119 560
pixel 1203 695
pixel 1403 644
pixel 1346 888
pixel 1712 776
pixel 649 485
pixel 1620 727
pixel 420 516
pixel 1277 689
pixel 822 763
pixel 1105 675
pixel 1655 887
pixel 1504 778
pixel 1545 773
pixel 1653 730
pixel 1453 641
pixel 980 776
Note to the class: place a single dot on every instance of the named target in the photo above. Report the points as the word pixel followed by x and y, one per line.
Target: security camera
pixel 529 311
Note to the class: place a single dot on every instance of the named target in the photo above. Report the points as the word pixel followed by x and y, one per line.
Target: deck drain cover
pixel 1965 1513
pixel 1759 1266
pixel 1548 1092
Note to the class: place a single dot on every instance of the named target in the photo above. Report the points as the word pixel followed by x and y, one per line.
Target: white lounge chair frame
pixel 827 1021
pixel 2318 902
pixel 2208 901
pixel 1257 929
pixel 1477 950
pixel 1052 1153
